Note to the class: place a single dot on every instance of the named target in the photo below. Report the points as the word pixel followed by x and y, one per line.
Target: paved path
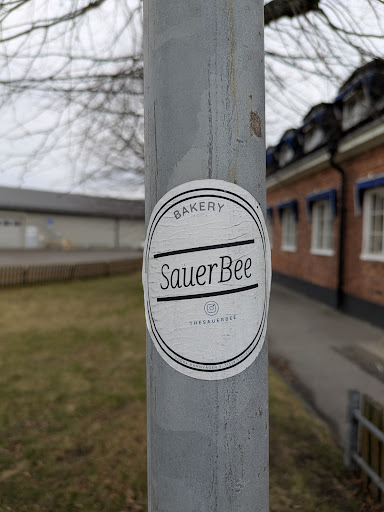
pixel 37 256
pixel 327 352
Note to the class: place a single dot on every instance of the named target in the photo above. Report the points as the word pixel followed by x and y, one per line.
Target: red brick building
pixel 325 196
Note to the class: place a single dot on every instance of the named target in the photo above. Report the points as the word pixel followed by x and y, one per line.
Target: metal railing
pixel 364 448
pixel 23 275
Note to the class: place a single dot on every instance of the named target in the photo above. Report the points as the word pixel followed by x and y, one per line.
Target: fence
pixel 365 442
pixel 21 275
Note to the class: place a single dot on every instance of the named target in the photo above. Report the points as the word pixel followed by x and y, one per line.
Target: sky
pixel 305 64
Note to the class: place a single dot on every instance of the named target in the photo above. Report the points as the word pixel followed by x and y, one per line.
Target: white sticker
pixel 206 278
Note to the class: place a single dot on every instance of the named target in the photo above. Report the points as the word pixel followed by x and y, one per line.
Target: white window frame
pixel 288 221
pixel 355 108
pixel 326 224
pixel 366 253
pixel 313 137
pixel 286 155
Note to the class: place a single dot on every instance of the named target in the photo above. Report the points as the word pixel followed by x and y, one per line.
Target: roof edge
pixel 368 137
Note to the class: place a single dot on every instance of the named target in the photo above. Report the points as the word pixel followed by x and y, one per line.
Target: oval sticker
pixel 206 278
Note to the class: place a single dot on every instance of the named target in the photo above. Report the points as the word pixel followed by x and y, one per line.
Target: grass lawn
pixel 72 409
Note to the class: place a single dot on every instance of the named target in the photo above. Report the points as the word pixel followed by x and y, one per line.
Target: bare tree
pixel 72 86
pixel 71 77
pixel 309 56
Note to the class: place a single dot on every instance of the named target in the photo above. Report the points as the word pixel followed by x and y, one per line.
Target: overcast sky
pixel 290 91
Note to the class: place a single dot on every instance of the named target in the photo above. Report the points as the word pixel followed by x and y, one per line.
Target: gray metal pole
pixel 204 118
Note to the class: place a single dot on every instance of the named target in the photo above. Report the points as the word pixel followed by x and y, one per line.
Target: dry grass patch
pixel 72 409
pixel 306 467
pixel 72 381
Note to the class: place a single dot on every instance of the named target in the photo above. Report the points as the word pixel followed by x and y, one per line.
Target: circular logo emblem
pixel 206 245
pixel 211 308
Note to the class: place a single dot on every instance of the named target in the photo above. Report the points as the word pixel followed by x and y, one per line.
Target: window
pixel 10 222
pixel 313 137
pixel 355 108
pixel 288 226
pixel 373 224
pixel 286 155
pixel 322 228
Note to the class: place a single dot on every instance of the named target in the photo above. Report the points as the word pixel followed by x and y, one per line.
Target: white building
pixel 36 219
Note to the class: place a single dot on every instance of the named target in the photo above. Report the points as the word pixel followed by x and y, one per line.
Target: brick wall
pixel 362 279
pixel 316 269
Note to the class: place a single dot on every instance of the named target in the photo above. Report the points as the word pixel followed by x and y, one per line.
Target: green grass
pixel 72 409
pixel 72 387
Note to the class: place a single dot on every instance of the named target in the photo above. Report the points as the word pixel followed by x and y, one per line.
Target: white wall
pixel 12 229
pixel 72 231
pixel 68 231
pixel 131 233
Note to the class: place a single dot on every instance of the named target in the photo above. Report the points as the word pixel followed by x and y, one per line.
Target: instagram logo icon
pixel 211 308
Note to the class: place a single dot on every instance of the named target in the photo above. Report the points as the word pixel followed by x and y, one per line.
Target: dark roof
pixel 375 65
pixel 318 112
pixel 289 135
pixel 370 78
pixel 18 199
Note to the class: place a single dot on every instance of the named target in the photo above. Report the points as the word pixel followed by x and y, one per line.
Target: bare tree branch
pixel 277 9
pixel 71 76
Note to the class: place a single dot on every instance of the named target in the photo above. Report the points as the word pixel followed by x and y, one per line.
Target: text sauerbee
pixel 224 271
